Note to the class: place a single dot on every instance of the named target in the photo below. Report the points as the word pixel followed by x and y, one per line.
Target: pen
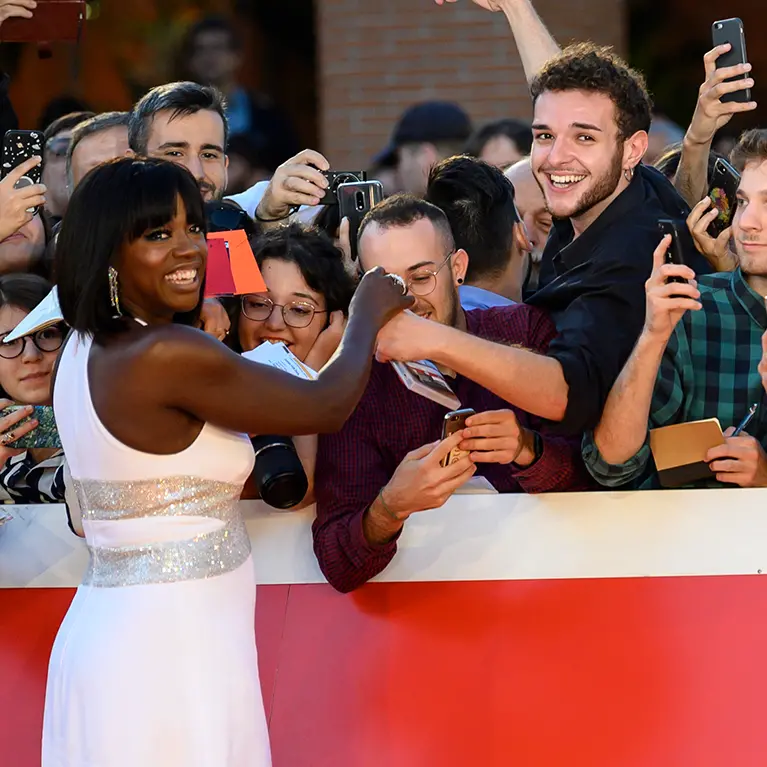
pixel 747 420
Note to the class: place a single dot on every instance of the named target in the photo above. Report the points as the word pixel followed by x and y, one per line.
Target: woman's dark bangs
pixel 154 204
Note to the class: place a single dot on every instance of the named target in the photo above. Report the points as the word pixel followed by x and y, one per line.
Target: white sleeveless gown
pixel 155 663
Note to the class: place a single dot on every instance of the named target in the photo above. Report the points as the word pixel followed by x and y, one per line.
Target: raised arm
pixel 622 429
pixel 200 376
pixel 711 114
pixel 534 42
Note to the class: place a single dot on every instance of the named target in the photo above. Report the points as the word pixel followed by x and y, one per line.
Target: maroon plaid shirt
pixel 390 421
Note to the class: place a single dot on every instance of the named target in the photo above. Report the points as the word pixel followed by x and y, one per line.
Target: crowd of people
pixel 530 268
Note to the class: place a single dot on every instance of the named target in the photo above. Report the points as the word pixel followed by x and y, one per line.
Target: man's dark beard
pixel 455 307
pixel 218 194
pixel 605 186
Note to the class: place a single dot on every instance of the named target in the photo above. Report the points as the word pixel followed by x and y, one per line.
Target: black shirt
pixel 593 286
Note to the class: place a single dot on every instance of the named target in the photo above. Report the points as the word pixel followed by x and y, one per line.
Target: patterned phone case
pixel 19 146
pixel 45 435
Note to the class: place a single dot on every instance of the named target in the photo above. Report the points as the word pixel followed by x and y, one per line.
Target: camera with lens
pixel 279 473
pixel 337 177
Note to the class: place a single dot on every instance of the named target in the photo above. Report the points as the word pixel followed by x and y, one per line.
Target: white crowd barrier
pixel 473 537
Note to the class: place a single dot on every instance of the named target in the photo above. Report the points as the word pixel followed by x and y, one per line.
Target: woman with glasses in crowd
pixel 155 662
pixel 26 366
pixel 308 292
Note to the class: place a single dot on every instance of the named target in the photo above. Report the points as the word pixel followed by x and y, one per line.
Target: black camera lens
pixel 279 474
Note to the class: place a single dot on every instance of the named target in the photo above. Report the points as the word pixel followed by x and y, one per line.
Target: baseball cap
pixel 426 122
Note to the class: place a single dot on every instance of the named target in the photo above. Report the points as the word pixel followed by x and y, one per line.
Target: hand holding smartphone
pixel 674 254
pixel 730 31
pixel 455 421
pixel 355 199
pixel 44 435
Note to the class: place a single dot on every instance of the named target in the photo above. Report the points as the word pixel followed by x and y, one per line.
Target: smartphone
pixel 355 199
pixel 337 177
pixel 723 191
pixel 731 31
pixel 18 147
pixel 454 421
pixel 675 254
pixel 53 21
pixel 45 435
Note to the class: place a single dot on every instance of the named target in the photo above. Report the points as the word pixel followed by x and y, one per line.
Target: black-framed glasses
pixel 423 281
pixel 296 314
pixel 48 339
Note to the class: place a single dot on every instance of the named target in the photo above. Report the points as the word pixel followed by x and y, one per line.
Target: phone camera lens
pixel 359 201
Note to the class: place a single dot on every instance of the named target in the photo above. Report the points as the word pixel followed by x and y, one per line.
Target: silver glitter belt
pixel 203 556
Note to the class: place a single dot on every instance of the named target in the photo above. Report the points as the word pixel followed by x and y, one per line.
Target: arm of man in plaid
pixel 617 451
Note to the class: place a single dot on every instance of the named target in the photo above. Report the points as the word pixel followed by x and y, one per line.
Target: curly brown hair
pixel 752 145
pixel 597 69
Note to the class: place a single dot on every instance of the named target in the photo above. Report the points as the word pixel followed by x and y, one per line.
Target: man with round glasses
pixel 386 462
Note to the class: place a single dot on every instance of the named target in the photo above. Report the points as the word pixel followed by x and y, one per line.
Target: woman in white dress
pixel 155 663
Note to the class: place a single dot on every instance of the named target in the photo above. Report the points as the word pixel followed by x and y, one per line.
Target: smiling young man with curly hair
pixel 592 115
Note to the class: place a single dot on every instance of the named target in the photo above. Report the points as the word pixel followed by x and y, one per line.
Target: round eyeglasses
pixel 423 281
pixel 46 340
pixel 296 314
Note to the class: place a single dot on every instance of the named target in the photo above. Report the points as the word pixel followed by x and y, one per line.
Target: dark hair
pixel 401 210
pixel 752 145
pixel 114 204
pixel 328 220
pixel 181 99
pixel 24 291
pixel 58 107
pixel 66 123
pixel 97 124
pixel 596 69
pixel 668 162
pixel 478 201
pixel 319 260
pixel 517 131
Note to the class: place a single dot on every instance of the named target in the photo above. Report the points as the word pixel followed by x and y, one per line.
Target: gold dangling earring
pixel 114 293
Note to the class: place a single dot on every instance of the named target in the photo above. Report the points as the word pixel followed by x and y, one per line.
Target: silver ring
pixel 399 281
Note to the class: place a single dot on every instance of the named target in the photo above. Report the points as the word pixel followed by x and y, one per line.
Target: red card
pixel 218 275
pixel 244 269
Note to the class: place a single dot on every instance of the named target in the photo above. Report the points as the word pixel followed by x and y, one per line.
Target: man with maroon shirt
pixel 384 465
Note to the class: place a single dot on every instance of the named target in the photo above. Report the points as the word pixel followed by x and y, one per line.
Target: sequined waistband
pixel 203 556
pixel 162 497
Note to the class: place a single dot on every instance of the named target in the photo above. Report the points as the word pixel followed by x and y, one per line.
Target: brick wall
pixel 376 57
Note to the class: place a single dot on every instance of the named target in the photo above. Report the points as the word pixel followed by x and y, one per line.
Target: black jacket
pixel 594 288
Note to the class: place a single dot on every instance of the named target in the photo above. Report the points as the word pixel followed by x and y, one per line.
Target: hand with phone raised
pixel 667 301
pixel 716 250
pixel 712 112
pixel 17 202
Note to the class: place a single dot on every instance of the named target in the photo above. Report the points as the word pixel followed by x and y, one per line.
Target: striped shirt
pixel 708 370
pixel 24 481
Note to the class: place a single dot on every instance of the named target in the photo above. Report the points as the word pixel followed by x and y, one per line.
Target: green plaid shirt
pixel 709 370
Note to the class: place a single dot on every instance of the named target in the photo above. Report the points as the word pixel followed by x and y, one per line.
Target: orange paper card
pixel 245 272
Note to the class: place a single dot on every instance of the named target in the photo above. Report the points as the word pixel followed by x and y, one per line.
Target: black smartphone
pixel 723 191
pixel 454 421
pixel 355 199
pixel 731 31
pixel 674 254
pixel 336 178
pixel 44 435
